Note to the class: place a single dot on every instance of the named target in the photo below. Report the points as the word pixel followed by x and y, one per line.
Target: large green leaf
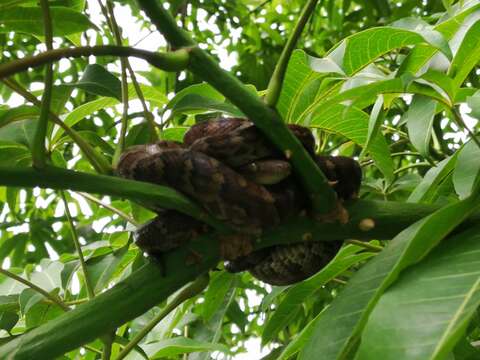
pixel 419 118
pixel 65 21
pixel 99 81
pixel 337 331
pixel 467 170
pixel 425 312
pixel 219 286
pixel 427 190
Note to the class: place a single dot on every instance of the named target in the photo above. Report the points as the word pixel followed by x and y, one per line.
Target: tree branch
pixel 276 81
pixel 323 198
pixel 172 61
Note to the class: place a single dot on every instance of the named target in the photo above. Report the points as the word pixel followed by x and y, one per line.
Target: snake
pixel 230 168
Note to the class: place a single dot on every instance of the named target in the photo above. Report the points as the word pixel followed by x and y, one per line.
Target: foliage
pixel 395 86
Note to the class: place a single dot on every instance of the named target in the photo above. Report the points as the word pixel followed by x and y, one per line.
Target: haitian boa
pixel 232 170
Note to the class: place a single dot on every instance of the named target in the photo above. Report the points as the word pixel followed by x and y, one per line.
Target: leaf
pixel 49 278
pixel 423 315
pixel 180 345
pixel 99 81
pixel 474 104
pixel 100 269
pixel 467 55
pixel 376 117
pixel 41 313
pixel 8 303
pixel 338 329
pixel 20 132
pixel 288 308
pixel 193 104
pixel 84 110
pixel 21 112
pixel 467 170
pixel 27 299
pixel 65 21
pixel 8 320
pixel 427 190
pixel 220 284
pixel 419 119
pixel 352 123
pixel 364 47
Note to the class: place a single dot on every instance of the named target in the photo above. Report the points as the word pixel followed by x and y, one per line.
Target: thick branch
pixel 145 193
pixel 148 286
pixel 267 119
pixel 172 61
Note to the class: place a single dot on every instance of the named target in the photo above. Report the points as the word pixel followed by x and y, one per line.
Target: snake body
pixel 230 168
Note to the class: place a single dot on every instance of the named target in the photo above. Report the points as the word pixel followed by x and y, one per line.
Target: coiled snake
pixel 229 167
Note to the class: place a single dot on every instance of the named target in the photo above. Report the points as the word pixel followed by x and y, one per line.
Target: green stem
pixel 411 166
pixel 78 248
pixel 365 245
pixel 98 161
pixel 459 120
pixel 144 193
pixel 276 81
pixel 172 61
pixel 32 286
pixel 123 63
pixel 111 208
pixel 322 196
pixel 39 155
pixel 188 292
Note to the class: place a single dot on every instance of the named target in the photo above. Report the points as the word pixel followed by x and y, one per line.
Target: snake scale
pixel 231 169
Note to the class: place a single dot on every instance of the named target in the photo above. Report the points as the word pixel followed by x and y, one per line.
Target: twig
pixel 276 81
pixel 171 61
pixel 459 120
pixel 411 166
pixel 111 208
pixel 78 248
pixel 188 292
pixel 38 289
pixel 39 156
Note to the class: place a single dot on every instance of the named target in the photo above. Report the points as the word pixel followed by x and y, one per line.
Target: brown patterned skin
pixel 238 200
pixel 244 205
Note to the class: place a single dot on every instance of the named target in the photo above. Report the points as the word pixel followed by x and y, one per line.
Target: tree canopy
pixel 392 84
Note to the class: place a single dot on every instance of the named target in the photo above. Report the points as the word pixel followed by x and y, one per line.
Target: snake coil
pixel 229 167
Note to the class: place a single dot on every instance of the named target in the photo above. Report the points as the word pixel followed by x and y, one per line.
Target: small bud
pixel 366 224
pixel 288 154
pixel 307 236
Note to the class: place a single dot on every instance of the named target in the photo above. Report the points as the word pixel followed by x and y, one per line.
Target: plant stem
pixel 459 120
pixel 39 156
pixel 32 286
pixel 111 208
pixel 322 197
pixel 98 161
pixel 411 166
pixel 276 81
pixel 143 192
pixel 365 245
pixel 172 61
pixel 78 248
pixel 188 292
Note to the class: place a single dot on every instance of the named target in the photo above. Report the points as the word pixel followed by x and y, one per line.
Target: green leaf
pixel 99 81
pixel 101 269
pixel 419 119
pixel 364 47
pixel 474 104
pixel 467 170
pixel 29 298
pixel 338 329
pixel 180 345
pixel 21 112
pixel 192 104
pixel 218 288
pixel 427 190
pixel 423 315
pixel 467 56
pixel 8 303
pixel 376 118
pixel 8 320
pixel 20 132
pixel 288 308
pixel 65 21
pixel 352 123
